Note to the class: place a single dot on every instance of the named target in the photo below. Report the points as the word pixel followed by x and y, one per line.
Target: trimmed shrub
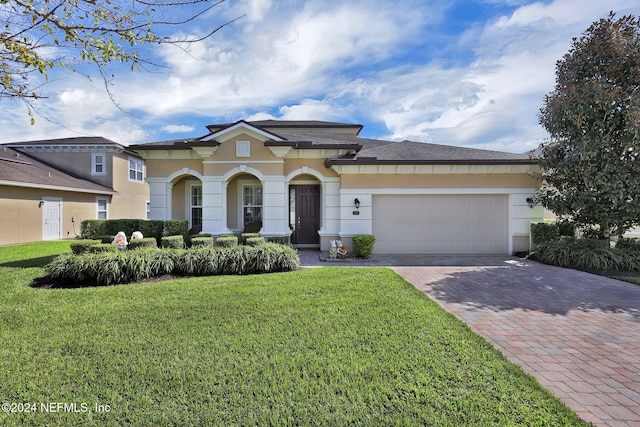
pixel 227 241
pixel 151 228
pixel 566 228
pixel 145 243
pixel 201 242
pixel 173 242
pixel 102 247
pixel 193 236
pixel 90 228
pixel 628 244
pixel 176 227
pixel 543 232
pixel 254 241
pixel 281 240
pixel 245 236
pixel 82 246
pixel 363 245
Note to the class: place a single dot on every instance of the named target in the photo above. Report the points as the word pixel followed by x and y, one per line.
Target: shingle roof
pixel 81 140
pixel 315 134
pixel 19 169
pixel 302 124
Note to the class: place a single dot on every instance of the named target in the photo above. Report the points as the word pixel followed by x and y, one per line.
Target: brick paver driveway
pixel 577 333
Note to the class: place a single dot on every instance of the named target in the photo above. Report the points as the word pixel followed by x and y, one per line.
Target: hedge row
pixel 102 228
pixel 132 266
pixel 588 254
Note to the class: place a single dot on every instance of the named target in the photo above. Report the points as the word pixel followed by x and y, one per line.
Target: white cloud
pixel 178 128
pixel 365 60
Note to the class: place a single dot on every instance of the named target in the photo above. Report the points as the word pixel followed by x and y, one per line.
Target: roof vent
pixel 49 174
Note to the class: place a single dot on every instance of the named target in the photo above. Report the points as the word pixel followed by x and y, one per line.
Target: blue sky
pixel 465 73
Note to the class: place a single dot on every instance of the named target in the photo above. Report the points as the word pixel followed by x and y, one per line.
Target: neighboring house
pixel 318 181
pixel 69 179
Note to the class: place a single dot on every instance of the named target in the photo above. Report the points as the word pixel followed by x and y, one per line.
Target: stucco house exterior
pixel 48 187
pixel 317 181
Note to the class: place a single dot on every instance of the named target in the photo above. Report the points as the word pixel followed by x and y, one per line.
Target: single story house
pixel 318 181
pixel 48 187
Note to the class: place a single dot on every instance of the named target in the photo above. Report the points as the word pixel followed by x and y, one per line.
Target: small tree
pixel 39 35
pixel 590 164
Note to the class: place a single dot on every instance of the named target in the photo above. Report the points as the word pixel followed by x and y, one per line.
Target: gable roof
pixel 90 143
pixel 20 170
pixel 318 135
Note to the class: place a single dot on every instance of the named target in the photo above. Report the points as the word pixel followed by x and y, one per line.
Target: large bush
pixel 131 266
pixel 587 254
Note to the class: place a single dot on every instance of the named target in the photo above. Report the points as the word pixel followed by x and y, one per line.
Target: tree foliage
pixel 39 35
pixel 590 163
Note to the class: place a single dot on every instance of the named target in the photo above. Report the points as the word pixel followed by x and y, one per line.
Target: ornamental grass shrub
pixel 587 254
pixel 132 266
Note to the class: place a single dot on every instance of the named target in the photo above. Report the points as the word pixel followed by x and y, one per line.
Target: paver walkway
pixel 577 333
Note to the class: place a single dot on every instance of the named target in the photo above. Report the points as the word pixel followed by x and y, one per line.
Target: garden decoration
pixel 137 235
pixel 121 240
pixel 337 250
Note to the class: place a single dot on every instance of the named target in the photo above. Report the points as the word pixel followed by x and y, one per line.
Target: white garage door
pixel 440 224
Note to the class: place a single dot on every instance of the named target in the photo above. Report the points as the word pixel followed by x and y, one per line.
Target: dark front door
pixel 305 214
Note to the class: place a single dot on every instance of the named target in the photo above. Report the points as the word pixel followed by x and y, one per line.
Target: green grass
pixel 330 346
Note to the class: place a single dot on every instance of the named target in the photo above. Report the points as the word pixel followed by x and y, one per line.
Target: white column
pixel 157 198
pixel 274 207
pixel 169 202
pixel 214 206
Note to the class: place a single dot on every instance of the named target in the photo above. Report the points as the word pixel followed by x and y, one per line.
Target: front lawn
pixel 327 346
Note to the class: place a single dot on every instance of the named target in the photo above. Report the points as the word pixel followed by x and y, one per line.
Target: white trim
pixel 98 199
pixel 242 183
pixel 137 163
pixel 189 184
pixel 401 191
pixel 221 162
pixel 54 187
pixel 239 125
pixel 176 174
pixel 59 201
pixel 243 148
pixel 242 169
pixel 94 163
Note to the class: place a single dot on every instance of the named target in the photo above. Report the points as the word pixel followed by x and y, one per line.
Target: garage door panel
pixel 440 224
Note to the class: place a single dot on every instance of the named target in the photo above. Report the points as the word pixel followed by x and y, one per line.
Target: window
pixel 148 209
pixel 102 208
pixel 98 166
pixel 243 149
pixel 136 170
pixel 252 203
pixel 196 206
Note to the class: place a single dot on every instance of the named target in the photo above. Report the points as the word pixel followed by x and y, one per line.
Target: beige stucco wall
pixel 440 181
pixel 292 164
pixel 132 197
pixel 227 150
pixel 164 168
pixel 21 215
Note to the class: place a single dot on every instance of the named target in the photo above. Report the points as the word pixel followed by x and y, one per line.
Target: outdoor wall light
pixel 356 202
pixel 531 202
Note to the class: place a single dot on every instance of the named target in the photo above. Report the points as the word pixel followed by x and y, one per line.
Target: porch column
pixel 214 206
pixel 159 196
pixel 169 203
pixel 274 207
